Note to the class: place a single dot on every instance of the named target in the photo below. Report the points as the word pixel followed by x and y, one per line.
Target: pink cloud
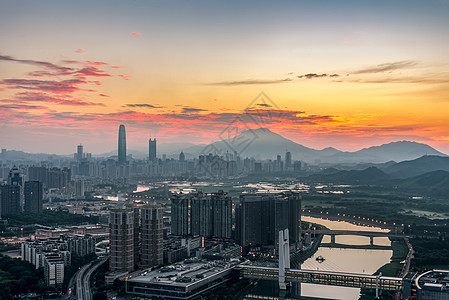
pixel 135 34
pixel 79 50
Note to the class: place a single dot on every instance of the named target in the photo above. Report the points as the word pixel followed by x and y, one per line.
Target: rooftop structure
pixel 184 280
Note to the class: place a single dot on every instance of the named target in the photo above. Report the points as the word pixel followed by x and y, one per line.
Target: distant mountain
pixel 432 183
pixel 13 155
pixel 370 175
pixel 419 166
pixel 399 151
pixel 264 144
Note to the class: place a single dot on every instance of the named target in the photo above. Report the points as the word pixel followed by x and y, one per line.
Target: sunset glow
pixel 343 74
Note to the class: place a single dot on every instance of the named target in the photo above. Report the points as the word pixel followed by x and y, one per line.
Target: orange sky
pixel 348 75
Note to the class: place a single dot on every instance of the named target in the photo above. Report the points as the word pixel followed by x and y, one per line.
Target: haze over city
pixel 346 74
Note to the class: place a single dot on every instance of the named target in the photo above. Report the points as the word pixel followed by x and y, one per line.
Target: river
pixel 362 261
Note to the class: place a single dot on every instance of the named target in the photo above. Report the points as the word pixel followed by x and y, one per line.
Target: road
pixel 79 282
pixel 83 290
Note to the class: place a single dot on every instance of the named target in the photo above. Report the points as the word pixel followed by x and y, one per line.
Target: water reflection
pixel 362 261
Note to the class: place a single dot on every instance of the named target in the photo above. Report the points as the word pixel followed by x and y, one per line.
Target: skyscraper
pixel 152 149
pixel 136 238
pixel 151 247
pixel 79 152
pixel 121 145
pixel 288 160
pixel 121 235
pixel 260 217
pixel 180 214
pixel 33 196
pixel 222 214
pixel 9 199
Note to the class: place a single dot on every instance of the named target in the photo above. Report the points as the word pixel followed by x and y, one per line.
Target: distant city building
pixel 297 166
pixel 33 194
pixel 16 177
pixel 79 152
pixel 79 189
pixel 10 199
pixel 182 157
pixel 288 160
pixel 50 178
pixel 122 145
pixel 152 150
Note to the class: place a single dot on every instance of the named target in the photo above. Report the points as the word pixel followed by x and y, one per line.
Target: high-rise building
pixel 201 215
pixel 180 214
pixel 33 194
pixel 15 177
pixel 182 157
pixel 9 199
pixel 288 160
pixel 259 218
pixel 121 145
pixel 136 238
pixel 121 235
pixel 221 214
pixel 152 149
pixel 79 188
pixel 79 152
pixel 151 234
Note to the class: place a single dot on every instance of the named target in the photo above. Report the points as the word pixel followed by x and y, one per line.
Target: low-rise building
pixel 184 280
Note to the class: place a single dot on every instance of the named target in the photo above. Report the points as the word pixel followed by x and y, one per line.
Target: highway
pixel 83 290
pixel 79 282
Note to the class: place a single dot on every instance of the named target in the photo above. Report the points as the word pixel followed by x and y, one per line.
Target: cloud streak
pixel 387 67
pixel 315 75
pixel 142 105
pixel 250 82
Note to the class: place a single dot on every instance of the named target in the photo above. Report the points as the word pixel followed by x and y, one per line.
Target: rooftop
pixel 185 273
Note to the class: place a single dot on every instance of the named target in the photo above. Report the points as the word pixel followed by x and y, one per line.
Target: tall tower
pixel 288 160
pixel 152 150
pixel 79 152
pixel 121 145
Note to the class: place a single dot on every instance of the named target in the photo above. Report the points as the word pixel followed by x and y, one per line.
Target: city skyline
pixel 348 75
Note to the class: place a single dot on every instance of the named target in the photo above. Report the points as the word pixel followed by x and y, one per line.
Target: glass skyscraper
pixel 121 145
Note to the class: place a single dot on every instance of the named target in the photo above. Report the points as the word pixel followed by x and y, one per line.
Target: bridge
pixel 370 234
pixel 384 283
pixel 284 274
pixel 362 247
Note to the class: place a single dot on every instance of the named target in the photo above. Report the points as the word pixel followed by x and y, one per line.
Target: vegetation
pixel 394 267
pixel 17 276
pixel 49 218
pixel 430 254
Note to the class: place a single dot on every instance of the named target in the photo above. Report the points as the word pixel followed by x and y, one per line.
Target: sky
pixel 343 74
